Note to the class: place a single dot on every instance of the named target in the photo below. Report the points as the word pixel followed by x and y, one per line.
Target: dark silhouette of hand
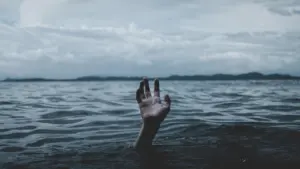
pixel 150 105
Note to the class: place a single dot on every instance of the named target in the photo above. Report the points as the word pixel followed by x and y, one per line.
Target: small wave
pixel 291 100
pixel 190 111
pixel 29 127
pixel 41 105
pixel 112 136
pixel 104 123
pixel 260 83
pixel 228 105
pixel 60 121
pixel 95 89
pixel 211 114
pixel 73 113
pixel 286 117
pixel 92 124
pixel 178 100
pixel 12 116
pixel 18 135
pixel 34 97
pixel 111 103
pixel 260 119
pixel 230 95
pixel 172 128
pixel 12 149
pixel 55 99
pixel 8 102
pixel 119 112
pixel 284 108
pixel 44 141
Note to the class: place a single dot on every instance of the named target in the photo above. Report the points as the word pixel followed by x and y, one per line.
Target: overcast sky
pixel 70 38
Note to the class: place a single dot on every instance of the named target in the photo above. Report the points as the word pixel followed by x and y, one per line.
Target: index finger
pixel 147 87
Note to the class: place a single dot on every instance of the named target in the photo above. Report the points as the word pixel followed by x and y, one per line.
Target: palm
pixel 150 105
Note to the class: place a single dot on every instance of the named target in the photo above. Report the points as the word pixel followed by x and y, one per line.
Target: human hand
pixel 151 106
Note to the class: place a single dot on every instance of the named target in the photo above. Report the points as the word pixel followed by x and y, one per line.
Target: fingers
pixel 156 88
pixel 141 89
pixel 165 109
pixel 138 96
pixel 143 92
pixel 140 93
pixel 167 101
pixel 147 87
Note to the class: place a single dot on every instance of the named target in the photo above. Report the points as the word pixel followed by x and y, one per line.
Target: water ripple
pixel 55 123
pixel 74 113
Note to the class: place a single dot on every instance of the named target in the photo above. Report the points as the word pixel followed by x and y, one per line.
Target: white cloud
pixel 69 38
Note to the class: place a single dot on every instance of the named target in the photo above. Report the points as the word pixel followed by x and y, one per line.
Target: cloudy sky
pixel 70 38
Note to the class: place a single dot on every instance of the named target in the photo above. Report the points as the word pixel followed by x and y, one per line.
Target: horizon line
pixel 216 76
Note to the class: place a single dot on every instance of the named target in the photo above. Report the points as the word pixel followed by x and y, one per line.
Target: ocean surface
pixel 211 125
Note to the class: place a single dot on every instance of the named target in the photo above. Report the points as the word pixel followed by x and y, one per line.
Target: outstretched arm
pixel 152 112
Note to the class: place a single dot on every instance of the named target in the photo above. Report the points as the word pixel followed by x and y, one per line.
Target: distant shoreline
pixel 245 76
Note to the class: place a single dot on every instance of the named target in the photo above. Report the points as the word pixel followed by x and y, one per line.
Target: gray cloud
pixel 64 38
pixel 284 8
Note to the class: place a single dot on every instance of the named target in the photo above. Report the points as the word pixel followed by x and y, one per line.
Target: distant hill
pixel 245 76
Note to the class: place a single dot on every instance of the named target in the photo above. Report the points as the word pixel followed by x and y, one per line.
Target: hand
pixel 151 106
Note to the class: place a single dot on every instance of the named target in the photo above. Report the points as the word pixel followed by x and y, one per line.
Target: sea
pixel 211 125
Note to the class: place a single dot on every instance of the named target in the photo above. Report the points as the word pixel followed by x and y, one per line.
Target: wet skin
pixel 153 112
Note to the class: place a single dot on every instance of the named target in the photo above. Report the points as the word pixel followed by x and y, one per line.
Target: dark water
pixel 231 124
